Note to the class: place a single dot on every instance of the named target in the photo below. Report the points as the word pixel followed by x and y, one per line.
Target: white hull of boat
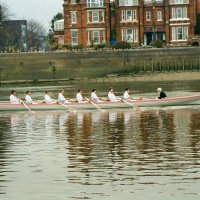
pixel 176 101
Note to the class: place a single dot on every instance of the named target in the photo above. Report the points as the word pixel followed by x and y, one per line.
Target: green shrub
pixel 121 45
pixel 100 46
pixel 57 47
pixel 68 46
pixel 158 43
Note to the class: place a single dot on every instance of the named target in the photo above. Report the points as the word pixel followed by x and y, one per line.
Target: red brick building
pixel 87 22
pixel 140 22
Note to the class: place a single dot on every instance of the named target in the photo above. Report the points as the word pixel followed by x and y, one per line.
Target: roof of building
pixel 59 21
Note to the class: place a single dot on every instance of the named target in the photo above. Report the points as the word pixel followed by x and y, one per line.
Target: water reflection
pixel 116 153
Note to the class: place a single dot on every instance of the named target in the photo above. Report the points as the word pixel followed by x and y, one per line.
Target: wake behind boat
pixel 174 101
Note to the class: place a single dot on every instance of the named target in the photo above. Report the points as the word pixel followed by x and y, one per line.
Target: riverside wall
pixel 75 65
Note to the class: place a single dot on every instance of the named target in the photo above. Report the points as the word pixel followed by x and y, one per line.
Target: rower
pixel 48 99
pixel 94 96
pixel 127 97
pixel 28 98
pixel 80 98
pixel 161 94
pixel 61 97
pixel 111 95
pixel 13 98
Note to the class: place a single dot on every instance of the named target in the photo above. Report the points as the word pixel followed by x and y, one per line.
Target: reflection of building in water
pixel 182 119
pixel 63 120
pixel 80 118
pixel 15 122
pixel 195 129
pixel 48 120
pixel 29 120
pixel 96 117
pixel 112 117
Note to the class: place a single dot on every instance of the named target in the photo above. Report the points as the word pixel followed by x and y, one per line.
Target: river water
pixel 111 154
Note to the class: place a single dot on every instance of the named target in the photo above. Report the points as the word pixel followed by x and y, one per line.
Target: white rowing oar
pixel 25 105
pixel 69 108
pixel 94 104
pixel 130 104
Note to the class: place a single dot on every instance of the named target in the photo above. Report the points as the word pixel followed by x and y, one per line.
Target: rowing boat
pixel 172 101
pixel 175 101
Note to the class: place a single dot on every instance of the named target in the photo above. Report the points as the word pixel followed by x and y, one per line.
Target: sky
pixel 41 10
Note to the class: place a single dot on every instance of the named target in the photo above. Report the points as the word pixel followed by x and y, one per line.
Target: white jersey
pixel 126 96
pixel 112 97
pixel 28 99
pixel 79 98
pixel 61 98
pixel 48 99
pixel 13 99
pixel 94 97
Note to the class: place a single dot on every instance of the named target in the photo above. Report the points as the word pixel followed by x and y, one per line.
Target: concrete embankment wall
pixel 93 64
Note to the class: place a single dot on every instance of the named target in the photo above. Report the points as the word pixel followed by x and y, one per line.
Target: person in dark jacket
pixel 162 94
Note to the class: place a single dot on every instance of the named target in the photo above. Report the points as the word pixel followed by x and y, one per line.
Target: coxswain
pixel 161 94
pixel 13 98
pixel 80 98
pixel 111 95
pixel 28 98
pixel 61 97
pixel 94 96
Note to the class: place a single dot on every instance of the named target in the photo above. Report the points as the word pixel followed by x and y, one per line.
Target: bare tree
pixel 5 13
pixel 6 36
pixel 36 34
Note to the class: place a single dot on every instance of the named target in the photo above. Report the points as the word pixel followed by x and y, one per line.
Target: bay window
pixel 130 35
pixel 179 33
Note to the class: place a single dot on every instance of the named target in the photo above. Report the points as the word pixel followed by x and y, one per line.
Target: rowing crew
pixel 79 97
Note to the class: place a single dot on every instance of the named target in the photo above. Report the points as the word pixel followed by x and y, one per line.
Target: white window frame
pixel 95 3
pixel 73 2
pixel 179 11
pixel 184 12
pixel 134 14
pixel 123 34
pixel 73 17
pixel 88 38
pixel 93 16
pixel 159 15
pixel 148 16
pixel 129 34
pixel 176 33
pixel 135 35
pixel 88 16
pixel 130 16
pixel 96 36
pixel 123 15
pixel 103 37
pixel 74 31
pixel 178 1
pixel 102 16
pixel 128 2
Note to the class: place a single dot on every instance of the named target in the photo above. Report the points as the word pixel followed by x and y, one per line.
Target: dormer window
pixel 73 1
pixel 128 3
pixel 178 1
pixel 94 3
